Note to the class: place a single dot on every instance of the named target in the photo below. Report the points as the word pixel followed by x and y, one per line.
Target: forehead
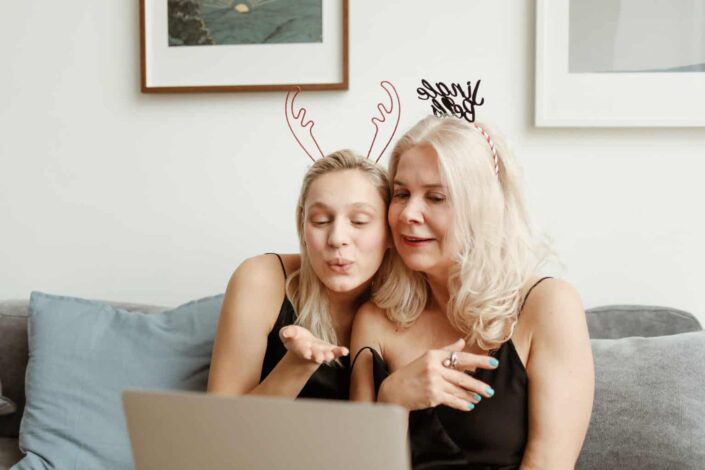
pixel 418 164
pixel 343 189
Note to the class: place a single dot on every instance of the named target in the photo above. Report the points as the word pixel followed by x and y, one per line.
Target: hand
pixel 426 383
pixel 304 345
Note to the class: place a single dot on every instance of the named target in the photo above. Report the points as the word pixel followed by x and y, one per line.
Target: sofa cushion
pixel 7 406
pixel 9 452
pixel 649 404
pixel 13 361
pixel 14 354
pixel 83 354
pixel 619 321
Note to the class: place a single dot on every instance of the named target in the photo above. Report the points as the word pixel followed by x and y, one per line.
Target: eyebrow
pixel 355 205
pixel 426 186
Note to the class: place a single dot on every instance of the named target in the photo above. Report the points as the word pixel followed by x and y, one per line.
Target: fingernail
pixel 490 391
pixel 471 406
pixel 477 397
pixel 494 362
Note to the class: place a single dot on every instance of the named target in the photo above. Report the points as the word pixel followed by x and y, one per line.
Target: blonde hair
pixel 303 288
pixel 498 248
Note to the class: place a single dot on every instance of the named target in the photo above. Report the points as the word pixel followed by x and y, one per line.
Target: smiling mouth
pixel 416 241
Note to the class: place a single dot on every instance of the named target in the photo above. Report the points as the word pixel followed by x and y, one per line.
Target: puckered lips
pixel 340 265
pixel 416 241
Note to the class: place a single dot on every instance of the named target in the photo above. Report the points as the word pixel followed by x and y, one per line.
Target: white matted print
pixel 620 63
pixel 243 45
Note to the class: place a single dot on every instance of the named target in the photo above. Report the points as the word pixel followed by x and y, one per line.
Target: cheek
pixel 393 215
pixel 374 241
pixel 313 242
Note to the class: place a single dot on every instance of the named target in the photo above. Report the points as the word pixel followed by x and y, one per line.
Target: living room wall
pixel 109 193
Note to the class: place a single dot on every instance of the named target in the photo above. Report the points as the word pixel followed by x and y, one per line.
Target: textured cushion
pixel 14 354
pixel 649 404
pixel 619 321
pixel 83 353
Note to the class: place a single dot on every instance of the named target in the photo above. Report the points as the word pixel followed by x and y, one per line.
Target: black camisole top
pixel 329 381
pixel 490 437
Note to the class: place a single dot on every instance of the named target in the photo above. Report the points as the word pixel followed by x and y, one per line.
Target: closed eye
pixel 436 198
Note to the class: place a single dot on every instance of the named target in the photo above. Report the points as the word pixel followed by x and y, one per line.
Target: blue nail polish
pixel 471 406
pixel 477 397
pixel 494 362
pixel 489 391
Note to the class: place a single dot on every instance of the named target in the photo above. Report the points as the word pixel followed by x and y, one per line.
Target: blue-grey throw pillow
pixel 83 354
pixel 649 404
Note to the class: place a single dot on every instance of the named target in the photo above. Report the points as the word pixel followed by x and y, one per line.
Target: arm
pixel 250 308
pixel 365 332
pixel 420 384
pixel 561 378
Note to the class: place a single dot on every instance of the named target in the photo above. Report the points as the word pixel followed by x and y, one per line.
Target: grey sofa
pixel 601 450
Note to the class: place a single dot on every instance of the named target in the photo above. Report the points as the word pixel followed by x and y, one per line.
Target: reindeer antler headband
pixel 385 124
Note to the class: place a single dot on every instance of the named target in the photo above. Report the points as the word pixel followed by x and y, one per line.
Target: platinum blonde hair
pixel 304 288
pixel 497 248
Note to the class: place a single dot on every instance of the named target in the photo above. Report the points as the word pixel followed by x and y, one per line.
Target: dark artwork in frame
pixel 221 22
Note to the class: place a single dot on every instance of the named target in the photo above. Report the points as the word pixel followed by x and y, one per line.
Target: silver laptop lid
pixel 187 431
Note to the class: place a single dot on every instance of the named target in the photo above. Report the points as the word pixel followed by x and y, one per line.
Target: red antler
pixel 300 118
pixel 384 112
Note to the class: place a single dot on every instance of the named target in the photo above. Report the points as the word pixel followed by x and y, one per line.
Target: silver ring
pixel 451 361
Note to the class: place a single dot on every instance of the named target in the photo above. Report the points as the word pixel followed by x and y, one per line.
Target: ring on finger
pixel 451 361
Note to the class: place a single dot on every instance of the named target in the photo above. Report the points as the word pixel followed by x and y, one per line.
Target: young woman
pixel 492 360
pixel 285 323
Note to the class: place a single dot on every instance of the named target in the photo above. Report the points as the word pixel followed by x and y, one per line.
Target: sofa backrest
pixel 606 322
pixel 620 321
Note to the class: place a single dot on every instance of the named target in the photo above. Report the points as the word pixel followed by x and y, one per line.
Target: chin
pixel 342 286
pixel 417 262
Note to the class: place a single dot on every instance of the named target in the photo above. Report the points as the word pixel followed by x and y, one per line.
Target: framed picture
pixel 620 63
pixel 243 45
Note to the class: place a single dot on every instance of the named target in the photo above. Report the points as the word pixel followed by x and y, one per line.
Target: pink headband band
pixel 489 140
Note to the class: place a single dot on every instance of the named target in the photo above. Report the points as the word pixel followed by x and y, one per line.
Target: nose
pixel 412 213
pixel 339 234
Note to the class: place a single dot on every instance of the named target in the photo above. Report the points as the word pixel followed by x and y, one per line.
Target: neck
pixel 439 289
pixel 342 307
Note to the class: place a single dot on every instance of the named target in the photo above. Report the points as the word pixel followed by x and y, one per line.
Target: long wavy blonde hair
pixel 498 251
pixel 303 288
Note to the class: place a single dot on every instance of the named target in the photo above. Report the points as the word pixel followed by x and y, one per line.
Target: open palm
pixel 302 343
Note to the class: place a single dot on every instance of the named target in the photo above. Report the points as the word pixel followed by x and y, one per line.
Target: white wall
pixel 109 193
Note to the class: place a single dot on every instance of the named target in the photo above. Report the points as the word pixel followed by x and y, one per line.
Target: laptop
pixel 188 430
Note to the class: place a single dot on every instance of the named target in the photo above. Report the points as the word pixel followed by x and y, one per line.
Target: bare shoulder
pixel 371 316
pixel 256 290
pixel 371 326
pixel 265 271
pixel 553 307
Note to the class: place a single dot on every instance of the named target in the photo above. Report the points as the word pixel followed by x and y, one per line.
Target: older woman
pixel 492 360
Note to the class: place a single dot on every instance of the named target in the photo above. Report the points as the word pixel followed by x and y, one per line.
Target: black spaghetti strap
pixel 526 297
pixel 358 355
pixel 280 262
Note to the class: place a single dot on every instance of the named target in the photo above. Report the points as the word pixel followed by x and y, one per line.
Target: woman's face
pixel 420 213
pixel 345 230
